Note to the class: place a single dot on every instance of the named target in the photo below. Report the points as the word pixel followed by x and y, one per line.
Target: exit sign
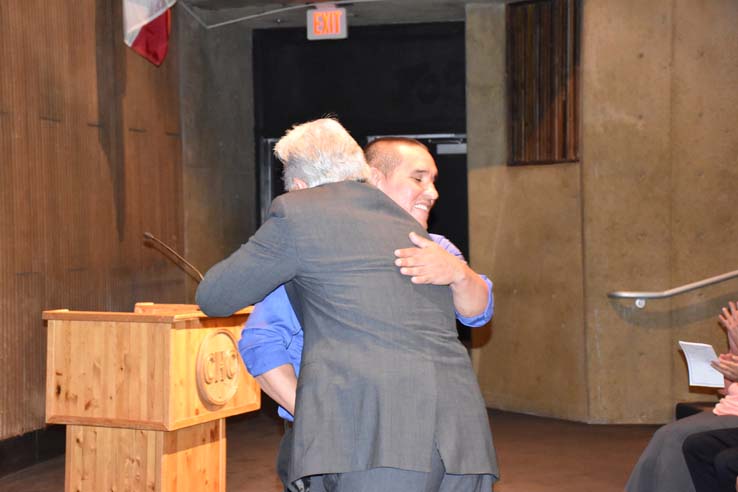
pixel 327 23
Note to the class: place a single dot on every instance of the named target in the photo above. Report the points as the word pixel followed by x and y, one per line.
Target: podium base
pixel 184 460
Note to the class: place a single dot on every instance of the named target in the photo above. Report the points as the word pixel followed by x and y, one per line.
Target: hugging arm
pixel 271 347
pixel 266 261
pixel 443 264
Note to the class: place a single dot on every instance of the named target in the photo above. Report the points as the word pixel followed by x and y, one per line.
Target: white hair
pixel 319 152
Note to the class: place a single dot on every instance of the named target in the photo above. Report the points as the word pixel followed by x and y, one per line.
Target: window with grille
pixel 542 65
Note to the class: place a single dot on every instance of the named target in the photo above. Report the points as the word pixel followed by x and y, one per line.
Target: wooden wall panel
pixel 89 159
pixel 542 63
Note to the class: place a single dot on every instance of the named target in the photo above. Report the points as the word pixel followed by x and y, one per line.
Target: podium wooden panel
pixel 145 395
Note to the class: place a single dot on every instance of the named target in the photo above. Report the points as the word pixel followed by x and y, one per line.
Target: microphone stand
pixel 198 277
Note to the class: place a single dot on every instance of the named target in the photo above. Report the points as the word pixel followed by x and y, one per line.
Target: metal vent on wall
pixel 443 143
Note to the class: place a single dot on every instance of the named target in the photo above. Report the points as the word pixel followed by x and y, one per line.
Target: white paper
pixel 701 373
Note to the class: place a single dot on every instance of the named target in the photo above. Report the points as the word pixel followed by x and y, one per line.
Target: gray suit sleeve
pixel 265 262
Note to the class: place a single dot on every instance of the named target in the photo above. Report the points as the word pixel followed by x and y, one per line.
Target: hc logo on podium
pixel 218 366
pixel 327 23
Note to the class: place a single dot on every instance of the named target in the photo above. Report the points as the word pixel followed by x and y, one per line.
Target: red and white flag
pixel 146 26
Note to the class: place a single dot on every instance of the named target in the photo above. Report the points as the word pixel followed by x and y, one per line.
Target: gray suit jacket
pixel 383 375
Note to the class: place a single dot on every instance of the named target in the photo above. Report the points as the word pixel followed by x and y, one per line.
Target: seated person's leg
pixel 661 467
pixel 700 450
pixel 712 459
pixel 726 469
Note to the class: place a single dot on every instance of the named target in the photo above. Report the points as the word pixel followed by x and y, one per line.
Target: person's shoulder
pixel 293 202
pixel 347 192
pixel 277 297
pixel 350 187
pixel 443 242
pixel 308 195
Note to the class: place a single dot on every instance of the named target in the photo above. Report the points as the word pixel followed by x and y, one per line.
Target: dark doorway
pixel 381 80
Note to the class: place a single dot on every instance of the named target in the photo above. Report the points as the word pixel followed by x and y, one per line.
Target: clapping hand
pixel 729 319
pixel 727 365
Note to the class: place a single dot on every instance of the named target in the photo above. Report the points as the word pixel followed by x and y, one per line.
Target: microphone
pixel 198 278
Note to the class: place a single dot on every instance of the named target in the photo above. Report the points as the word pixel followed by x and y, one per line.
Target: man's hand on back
pixel 429 263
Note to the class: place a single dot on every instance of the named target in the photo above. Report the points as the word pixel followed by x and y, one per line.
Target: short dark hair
pixel 382 154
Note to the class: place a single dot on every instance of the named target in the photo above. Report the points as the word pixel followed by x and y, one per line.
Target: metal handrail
pixel 640 297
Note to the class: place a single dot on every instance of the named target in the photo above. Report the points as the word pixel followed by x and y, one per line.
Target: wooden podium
pixel 145 395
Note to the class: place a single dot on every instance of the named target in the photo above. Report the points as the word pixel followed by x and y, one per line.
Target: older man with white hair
pixel 386 399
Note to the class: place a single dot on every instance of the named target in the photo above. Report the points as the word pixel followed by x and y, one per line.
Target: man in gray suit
pixel 386 399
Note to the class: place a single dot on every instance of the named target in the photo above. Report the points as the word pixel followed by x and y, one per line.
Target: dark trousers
pixel 283 456
pixel 307 484
pixel 381 479
pixel 396 480
pixel 712 459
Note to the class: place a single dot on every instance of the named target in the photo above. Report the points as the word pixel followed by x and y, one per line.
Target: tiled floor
pixel 536 455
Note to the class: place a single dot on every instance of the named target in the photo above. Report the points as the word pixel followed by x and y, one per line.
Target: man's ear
pixel 376 177
pixel 298 184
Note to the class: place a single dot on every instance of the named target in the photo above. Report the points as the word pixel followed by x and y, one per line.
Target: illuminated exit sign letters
pixel 327 23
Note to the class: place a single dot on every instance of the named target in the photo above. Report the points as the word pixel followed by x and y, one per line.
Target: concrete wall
pixel 626 167
pixel 648 207
pixel 219 169
pixel 704 165
pixel 525 232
